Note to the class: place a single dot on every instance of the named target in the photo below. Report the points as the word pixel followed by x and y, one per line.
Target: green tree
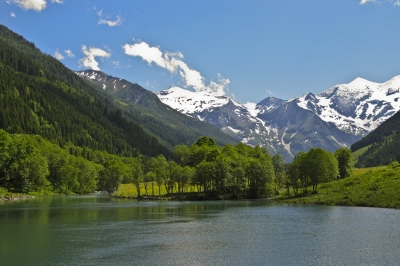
pixel 297 172
pixel 204 174
pixel 279 171
pixel 111 176
pixel 321 165
pixel 161 165
pixel 343 156
pixel 182 154
pixel 136 173
pixel 259 172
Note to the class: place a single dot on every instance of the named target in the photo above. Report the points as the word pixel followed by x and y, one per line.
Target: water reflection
pixel 97 230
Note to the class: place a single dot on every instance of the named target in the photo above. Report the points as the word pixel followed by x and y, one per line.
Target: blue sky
pixel 251 49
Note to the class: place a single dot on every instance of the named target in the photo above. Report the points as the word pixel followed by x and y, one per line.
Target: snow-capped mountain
pixel 334 118
pixel 358 107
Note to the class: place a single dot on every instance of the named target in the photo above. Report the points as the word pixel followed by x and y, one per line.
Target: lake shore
pixel 16 197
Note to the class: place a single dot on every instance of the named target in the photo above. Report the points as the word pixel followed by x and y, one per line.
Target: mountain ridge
pixel 158 119
pixel 334 118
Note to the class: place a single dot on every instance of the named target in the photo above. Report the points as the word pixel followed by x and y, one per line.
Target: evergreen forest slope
pixel 39 95
pixel 144 107
pixel 381 145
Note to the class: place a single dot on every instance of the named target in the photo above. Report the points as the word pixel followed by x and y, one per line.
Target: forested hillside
pixel 142 106
pixel 39 95
pixel 383 144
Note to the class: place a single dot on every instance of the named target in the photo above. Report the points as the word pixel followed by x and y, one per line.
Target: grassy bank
pixel 373 187
pixel 129 190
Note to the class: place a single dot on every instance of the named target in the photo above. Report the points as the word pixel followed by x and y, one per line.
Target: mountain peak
pixel 361 83
pixel 189 102
pixel 310 97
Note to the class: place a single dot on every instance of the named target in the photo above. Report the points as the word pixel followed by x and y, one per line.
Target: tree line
pixel 29 163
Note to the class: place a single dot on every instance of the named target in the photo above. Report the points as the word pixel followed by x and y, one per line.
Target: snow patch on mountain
pixel 358 107
pixel 189 102
pixel 354 109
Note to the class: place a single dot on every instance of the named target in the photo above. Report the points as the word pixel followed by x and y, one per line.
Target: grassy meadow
pixel 373 187
pixel 129 190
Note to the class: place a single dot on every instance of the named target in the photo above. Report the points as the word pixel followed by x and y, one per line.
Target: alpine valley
pixel 337 117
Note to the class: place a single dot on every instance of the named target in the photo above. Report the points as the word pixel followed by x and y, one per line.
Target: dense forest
pixel 40 96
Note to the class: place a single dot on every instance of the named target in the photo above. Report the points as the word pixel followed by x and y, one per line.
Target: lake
pixel 98 230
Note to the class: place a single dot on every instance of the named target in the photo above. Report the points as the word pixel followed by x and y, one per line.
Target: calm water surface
pixel 97 230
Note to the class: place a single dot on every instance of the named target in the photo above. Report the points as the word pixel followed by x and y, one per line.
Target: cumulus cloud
pixel 69 53
pixel 37 5
pixel 58 55
pixel 173 62
pixel 13 15
pixel 110 23
pixel 90 60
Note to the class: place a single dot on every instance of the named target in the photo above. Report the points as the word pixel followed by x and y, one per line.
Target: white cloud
pixel 362 2
pixel 110 23
pixel 69 53
pixel 58 55
pixel 149 54
pixel 221 87
pixel 173 62
pixel 89 61
pixel 395 2
pixel 37 5
pixel 13 15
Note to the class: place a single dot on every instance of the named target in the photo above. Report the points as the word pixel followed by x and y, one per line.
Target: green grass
pixel 355 155
pixel 129 190
pixel 373 187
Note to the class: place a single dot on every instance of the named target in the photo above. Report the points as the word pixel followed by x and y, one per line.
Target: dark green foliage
pixel 343 156
pixel 32 164
pixel 111 176
pixel 312 168
pixel 22 167
pixel 39 95
pixel 390 127
pixel 382 144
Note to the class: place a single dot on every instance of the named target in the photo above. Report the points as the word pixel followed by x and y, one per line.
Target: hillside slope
pixel 39 95
pixel 383 144
pixel 144 107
